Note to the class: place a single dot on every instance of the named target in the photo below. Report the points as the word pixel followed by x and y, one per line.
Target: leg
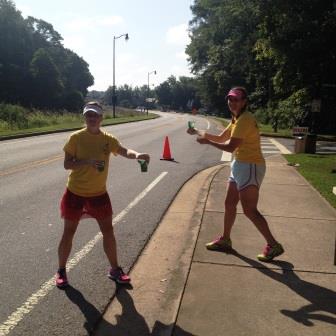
pixel 65 244
pixel 109 241
pixel 249 199
pixel 231 201
pixel 232 198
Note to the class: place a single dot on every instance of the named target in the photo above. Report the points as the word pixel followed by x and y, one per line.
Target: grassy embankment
pixel 319 170
pixel 21 121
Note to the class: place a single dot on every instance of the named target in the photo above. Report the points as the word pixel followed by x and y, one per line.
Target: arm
pixel 230 147
pixel 132 154
pixel 70 162
pixel 221 138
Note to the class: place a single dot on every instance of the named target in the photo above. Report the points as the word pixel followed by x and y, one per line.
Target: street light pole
pixel 114 97
pixel 149 73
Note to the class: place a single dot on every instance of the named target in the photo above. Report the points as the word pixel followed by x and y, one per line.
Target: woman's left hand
pixel 202 140
pixel 143 156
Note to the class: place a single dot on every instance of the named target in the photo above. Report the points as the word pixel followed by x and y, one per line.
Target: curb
pixel 153 307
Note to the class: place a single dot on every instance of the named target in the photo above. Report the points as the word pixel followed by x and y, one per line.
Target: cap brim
pixel 99 112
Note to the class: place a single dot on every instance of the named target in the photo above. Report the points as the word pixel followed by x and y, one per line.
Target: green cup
pixel 191 124
pixel 101 165
pixel 143 166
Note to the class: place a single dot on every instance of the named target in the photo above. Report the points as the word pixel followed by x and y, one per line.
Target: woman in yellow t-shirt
pixel 87 154
pixel 247 172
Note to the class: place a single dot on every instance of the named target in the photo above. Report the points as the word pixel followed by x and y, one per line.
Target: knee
pixel 250 212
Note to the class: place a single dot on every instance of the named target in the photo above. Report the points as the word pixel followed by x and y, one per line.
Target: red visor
pixel 236 94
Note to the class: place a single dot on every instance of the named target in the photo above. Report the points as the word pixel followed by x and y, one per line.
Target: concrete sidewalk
pixel 181 289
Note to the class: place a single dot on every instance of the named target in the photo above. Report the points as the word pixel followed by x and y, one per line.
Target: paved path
pixel 180 288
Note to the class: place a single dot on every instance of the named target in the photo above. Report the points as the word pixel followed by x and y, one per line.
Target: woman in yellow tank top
pixel 86 155
pixel 242 139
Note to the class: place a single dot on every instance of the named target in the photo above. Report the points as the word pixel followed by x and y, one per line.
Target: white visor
pixel 93 108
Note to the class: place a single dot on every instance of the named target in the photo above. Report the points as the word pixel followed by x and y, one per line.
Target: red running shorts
pixel 74 207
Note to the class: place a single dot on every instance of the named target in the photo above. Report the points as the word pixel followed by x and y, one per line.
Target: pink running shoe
pixel 61 280
pixel 119 276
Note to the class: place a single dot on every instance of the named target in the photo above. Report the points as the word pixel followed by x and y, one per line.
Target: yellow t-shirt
pixel 86 180
pixel 246 128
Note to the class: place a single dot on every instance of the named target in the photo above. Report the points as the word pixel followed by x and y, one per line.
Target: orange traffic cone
pixel 166 151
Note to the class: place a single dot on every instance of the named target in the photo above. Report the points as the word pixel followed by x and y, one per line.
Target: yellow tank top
pixel 88 181
pixel 245 127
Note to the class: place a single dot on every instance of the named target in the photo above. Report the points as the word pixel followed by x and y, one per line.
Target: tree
pixel 15 53
pixel 164 94
pixel 47 84
pixel 276 49
pixel 222 38
pixel 31 53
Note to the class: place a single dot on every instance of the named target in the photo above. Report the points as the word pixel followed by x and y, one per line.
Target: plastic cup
pixel 191 124
pixel 143 166
pixel 101 165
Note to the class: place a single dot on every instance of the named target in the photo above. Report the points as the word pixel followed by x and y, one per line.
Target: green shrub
pixel 287 113
pixel 4 125
pixel 14 115
pixel 38 119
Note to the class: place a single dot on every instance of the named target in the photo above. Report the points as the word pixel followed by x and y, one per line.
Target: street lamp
pixel 114 98
pixel 149 73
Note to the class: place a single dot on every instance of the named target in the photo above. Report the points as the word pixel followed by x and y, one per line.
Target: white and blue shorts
pixel 245 174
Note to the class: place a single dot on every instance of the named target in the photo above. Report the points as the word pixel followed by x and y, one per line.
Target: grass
pixel 319 170
pixel 264 129
pixel 57 122
pixel 267 130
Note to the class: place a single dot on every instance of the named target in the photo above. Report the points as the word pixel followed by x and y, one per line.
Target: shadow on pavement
pixel 129 323
pixel 321 299
pixel 90 312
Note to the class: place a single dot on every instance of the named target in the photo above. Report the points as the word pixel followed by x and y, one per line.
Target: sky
pixel 158 35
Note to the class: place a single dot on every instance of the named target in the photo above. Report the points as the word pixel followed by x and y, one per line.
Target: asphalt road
pixel 32 180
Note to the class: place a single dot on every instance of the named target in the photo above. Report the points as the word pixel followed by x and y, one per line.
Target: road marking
pixel 13 142
pixel 281 147
pixel 163 125
pixel 13 319
pixel 32 164
pixel 226 156
pixel 270 151
pixel 208 124
pixel 32 138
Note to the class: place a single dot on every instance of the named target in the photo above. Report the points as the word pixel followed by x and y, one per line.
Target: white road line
pixel 281 147
pixel 226 156
pixel 13 319
pixel 208 124
pixel 270 151
pixel 32 138
pixel 13 142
